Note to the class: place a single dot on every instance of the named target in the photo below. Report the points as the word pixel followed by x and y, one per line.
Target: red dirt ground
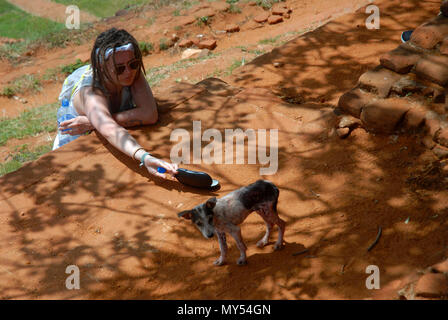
pixel 88 205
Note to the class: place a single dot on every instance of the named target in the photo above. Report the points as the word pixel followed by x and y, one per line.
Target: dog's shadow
pixel 268 257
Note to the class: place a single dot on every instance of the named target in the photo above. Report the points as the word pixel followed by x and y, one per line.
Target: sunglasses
pixel 133 65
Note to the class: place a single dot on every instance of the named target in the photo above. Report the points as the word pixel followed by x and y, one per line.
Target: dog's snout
pixel 210 235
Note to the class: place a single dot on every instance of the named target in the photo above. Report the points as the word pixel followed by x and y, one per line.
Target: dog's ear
pixel 186 214
pixel 211 203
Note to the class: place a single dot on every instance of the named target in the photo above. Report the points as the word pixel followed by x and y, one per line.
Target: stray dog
pixel 225 214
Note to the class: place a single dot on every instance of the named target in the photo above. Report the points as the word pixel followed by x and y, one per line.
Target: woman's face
pixel 125 68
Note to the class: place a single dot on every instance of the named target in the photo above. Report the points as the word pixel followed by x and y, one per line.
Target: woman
pixel 103 95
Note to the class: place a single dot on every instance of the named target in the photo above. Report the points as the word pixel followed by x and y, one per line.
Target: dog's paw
pixel 219 262
pixel 262 243
pixel 241 262
pixel 278 246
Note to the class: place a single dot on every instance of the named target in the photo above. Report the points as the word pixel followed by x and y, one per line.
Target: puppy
pixel 218 216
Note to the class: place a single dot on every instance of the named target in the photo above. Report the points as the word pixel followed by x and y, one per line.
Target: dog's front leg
pixel 236 234
pixel 223 247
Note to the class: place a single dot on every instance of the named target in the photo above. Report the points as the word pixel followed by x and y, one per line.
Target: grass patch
pixel 234 8
pixel 18 24
pixel 24 83
pixel 22 155
pixel 267 4
pixel 29 123
pixel 269 40
pixel 236 64
pixel 163 44
pixel 146 47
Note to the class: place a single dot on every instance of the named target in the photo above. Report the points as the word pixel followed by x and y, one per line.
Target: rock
pixel 442 137
pixel 174 37
pixel 414 119
pixel 444 47
pixel 432 126
pixel 219 6
pixel 353 101
pixel 444 8
pixel 207 44
pixel 428 35
pixel 278 64
pixel 185 43
pixel 441 267
pixel 184 21
pixel 378 81
pixel 432 285
pixel 433 68
pixel 275 19
pixel 440 151
pixel 348 121
pixel 121 13
pixel 262 17
pixel 190 53
pixel 406 84
pixel 280 5
pixel 232 28
pixel 343 132
pixel 207 12
pixel 279 11
pixel 399 60
pixel 428 142
pixel 383 115
pixel 204 53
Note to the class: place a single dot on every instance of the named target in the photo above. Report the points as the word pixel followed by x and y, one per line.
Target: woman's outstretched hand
pixel 76 126
pixel 151 164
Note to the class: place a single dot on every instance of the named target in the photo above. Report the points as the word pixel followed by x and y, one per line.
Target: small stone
pixel 353 101
pixel 190 53
pixel 279 11
pixel 414 118
pixel 429 34
pixel 278 64
pixel 185 43
pixel 349 122
pixel 232 28
pixel 440 151
pixel 174 37
pixel 441 267
pixel 383 115
pixel 207 44
pixel 399 60
pixel 432 285
pixel 343 132
pixel 121 13
pixel 442 137
pixel 275 19
pixel 262 17
pixel 433 68
pixel 379 81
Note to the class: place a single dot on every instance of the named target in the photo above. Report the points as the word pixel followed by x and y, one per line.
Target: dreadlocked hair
pixel 111 38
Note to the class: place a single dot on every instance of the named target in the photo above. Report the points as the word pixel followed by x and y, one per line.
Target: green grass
pixel 102 8
pixel 29 123
pixel 22 84
pixel 18 24
pixel 23 154
pixel 269 40
pixel 236 64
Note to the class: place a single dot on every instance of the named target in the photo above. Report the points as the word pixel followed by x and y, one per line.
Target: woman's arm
pixel 97 112
pixel 146 108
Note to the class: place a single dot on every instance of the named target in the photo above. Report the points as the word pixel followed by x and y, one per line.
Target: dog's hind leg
pixel 269 214
pixel 223 247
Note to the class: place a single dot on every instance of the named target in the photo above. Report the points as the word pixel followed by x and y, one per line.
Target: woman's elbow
pixel 153 118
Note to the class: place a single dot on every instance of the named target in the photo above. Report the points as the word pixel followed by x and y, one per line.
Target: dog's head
pixel 202 217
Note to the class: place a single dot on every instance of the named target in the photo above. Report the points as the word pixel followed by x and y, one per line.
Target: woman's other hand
pixel 76 126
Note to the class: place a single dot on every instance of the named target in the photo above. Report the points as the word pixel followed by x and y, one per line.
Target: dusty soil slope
pixel 87 205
